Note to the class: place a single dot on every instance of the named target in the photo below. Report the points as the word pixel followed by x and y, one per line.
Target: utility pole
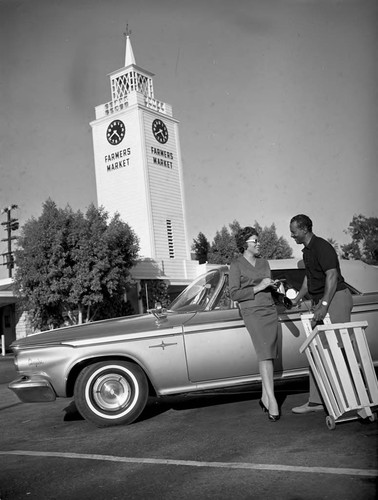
pixel 10 225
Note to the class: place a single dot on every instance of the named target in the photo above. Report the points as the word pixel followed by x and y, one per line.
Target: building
pixel 13 322
pixel 7 313
pixel 139 172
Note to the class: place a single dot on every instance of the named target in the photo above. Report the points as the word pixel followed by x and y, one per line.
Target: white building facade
pixel 138 170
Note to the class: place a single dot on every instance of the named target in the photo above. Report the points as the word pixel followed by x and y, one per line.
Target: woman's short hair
pixel 303 222
pixel 243 235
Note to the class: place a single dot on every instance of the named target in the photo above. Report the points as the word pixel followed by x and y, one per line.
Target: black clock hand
pixel 115 132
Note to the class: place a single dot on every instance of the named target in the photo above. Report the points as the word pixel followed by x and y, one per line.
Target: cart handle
pixel 336 326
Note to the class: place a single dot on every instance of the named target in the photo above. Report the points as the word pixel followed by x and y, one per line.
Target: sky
pixel 276 100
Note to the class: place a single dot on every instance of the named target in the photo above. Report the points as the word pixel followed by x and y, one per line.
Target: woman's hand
pixel 265 283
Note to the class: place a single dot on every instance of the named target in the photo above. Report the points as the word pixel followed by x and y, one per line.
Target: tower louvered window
pixel 171 249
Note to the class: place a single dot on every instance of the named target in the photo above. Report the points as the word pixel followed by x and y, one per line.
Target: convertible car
pixel 199 343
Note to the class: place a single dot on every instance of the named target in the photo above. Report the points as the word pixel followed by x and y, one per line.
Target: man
pixel 325 285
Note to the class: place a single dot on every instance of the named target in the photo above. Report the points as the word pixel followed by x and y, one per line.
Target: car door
pixel 218 346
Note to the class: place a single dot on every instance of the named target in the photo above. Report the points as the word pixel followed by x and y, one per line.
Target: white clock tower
pixel 138 165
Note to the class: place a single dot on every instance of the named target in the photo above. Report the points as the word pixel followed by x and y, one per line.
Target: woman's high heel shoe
pixel 273 418
pixel 263 407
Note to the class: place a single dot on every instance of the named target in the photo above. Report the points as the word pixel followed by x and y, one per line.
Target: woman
pixel 250 286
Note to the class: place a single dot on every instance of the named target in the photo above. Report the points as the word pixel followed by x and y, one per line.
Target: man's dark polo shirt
pixel 320 256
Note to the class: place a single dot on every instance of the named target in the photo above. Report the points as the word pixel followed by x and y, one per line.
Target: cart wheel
pixel 373 417
pixel 331 424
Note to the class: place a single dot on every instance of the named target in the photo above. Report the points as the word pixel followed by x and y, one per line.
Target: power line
pixel 11 224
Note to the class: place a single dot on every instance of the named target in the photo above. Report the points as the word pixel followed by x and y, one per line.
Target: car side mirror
pixel 159 312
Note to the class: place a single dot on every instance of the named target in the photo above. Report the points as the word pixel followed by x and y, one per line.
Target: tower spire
pixel 129 54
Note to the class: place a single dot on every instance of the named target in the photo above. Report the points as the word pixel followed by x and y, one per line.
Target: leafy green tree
pixel 223 248
pixel 235 227
pixel 73 267
pixel 351 251
pixel 201 247
pixel 364 245
pixel 154 291
pixel 272 246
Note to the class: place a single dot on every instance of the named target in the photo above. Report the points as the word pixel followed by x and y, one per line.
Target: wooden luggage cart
pixel 343 369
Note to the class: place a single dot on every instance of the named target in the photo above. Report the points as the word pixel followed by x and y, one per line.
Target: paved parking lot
pixel 217 446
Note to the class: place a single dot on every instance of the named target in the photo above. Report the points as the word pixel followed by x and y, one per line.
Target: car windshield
pixel 198 294
pixel 210 291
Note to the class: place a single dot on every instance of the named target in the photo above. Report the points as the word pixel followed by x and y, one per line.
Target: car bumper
pixel 33 390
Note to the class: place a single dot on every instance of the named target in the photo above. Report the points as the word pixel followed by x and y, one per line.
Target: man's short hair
pixel 303 222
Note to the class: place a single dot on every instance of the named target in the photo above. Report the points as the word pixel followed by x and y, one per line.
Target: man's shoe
pixel 308 408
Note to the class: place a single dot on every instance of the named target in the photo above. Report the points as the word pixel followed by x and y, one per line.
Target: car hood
pixel 129 325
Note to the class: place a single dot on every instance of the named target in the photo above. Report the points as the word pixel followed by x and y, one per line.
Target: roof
pixel 6 292
pixel 356 273
pixel 286 264
pixel 129 54
pixel 361 276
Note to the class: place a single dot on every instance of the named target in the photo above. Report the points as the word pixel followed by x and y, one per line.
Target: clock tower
pixel 138 164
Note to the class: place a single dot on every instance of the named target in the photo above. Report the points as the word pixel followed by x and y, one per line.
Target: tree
pixel 235 227
pixel 201 247
pixel 364 245
pixel 73 267
pixel 153 292
pixel 272 246
pixel 223 248
pixel 351 251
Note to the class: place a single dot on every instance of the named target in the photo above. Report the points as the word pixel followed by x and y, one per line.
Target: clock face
pixel 115 132
pixel 160 131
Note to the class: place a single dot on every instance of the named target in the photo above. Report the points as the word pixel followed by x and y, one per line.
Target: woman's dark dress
pixel 258 311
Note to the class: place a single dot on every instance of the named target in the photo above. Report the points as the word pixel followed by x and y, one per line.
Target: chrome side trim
pixel 125 337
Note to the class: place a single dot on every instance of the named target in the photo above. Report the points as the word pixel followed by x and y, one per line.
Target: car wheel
pixel 111 393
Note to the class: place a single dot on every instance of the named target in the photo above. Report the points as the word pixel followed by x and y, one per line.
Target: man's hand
pixel 320 312
pixel 295 301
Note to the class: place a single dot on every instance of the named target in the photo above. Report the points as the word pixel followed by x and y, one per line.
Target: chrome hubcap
pixel 111 392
